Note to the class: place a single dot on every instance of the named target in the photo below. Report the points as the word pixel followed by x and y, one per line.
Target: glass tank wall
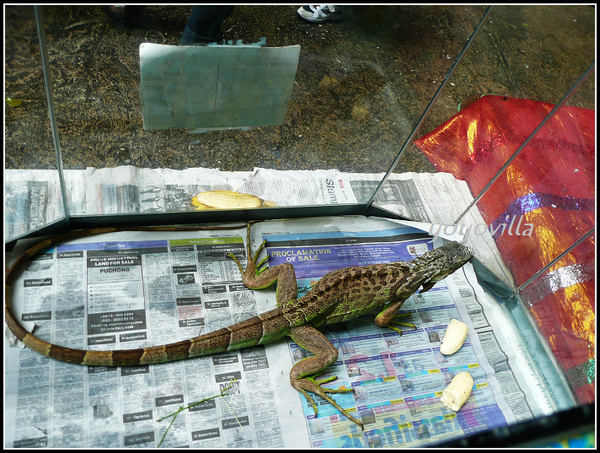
pixel 360 86
pixel 32 199
pixel 524 142
pixel 524 52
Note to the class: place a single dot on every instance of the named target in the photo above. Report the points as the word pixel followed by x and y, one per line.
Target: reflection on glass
pixel 562 303
pixel 533 211
pixel 544 200
pixel 518 55
pixel 522 53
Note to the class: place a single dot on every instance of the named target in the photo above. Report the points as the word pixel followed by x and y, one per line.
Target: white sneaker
pixel 320 13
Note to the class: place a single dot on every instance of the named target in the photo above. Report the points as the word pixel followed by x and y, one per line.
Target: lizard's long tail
pixel 261 329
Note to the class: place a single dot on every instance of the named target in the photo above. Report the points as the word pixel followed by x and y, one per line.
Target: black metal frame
pixel 538 432
pixel 64 225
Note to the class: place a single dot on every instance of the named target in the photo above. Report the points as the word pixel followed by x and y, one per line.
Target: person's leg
pixel 204 24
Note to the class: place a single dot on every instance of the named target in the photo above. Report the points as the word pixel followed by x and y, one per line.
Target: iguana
pixel 338 296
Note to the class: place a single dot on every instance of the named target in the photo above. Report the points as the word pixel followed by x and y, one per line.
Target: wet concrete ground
pixel 361 83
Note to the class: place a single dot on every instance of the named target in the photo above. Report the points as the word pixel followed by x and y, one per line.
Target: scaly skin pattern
pixel 338 296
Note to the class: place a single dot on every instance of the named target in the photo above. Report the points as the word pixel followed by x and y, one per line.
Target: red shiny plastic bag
pixel 548 195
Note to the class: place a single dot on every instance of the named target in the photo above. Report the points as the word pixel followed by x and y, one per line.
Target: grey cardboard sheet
pixel 207 87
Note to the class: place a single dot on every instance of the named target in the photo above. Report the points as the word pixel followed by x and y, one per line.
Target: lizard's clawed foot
pixel 310 384
pixel 395 326
pixel 258 274
pixel 252 258
pixel 252 267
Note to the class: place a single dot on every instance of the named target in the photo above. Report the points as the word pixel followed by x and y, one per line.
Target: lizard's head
pixel 443 261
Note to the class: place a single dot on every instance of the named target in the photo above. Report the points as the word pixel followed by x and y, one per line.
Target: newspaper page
pixel 32 199
pixel 131 290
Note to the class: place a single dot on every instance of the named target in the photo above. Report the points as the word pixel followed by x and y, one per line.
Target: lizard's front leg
pixel 304 373
pixel 387 316
pixel 255 276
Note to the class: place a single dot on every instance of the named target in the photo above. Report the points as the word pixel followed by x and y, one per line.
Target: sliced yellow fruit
pixel 226 199
pixel 455 336
pixel 458 391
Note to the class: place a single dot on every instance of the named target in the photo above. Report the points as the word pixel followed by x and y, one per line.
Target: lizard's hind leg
pixel 304 373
